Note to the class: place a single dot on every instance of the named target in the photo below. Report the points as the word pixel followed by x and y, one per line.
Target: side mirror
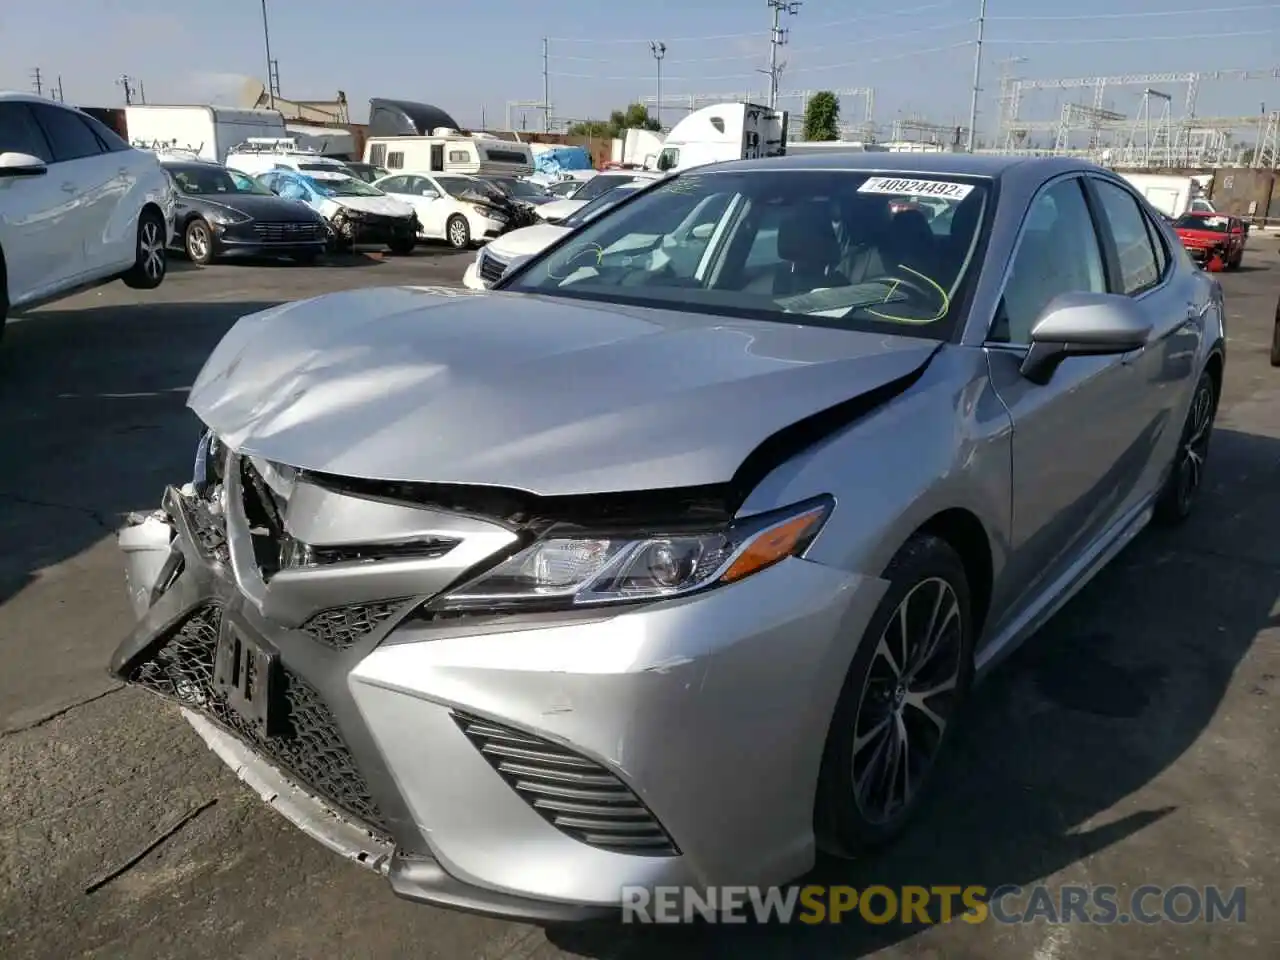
pixel 1083 325
pixel 21 165
pixel 703 231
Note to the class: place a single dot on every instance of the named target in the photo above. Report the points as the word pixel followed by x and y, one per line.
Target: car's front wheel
pixel 151 260
pixel 1182 487
pixel 901 697
pixel 197 239
pixel 403 246
pixel 458 231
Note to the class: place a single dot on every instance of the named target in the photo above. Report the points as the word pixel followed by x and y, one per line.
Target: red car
pixel 1214 240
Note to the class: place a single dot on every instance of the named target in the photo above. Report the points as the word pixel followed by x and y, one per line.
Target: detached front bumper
pixel 523 766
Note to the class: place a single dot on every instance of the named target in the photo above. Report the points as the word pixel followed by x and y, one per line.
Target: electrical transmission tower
pixel 776 40
pixel 37 82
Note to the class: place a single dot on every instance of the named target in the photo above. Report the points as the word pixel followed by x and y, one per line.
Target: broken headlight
pixel 585 570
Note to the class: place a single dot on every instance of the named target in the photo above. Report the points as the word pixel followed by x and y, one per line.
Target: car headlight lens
pixel 228 217
pixel 489 213
pixel 590 570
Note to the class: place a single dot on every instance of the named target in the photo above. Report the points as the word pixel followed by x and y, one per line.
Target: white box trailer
pixel 208 132
pixel 724 131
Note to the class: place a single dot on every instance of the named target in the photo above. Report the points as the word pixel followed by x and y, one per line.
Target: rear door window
pixel 70 137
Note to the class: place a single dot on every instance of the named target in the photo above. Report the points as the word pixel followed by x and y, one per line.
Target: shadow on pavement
pixel 1091 710
pixel 93 422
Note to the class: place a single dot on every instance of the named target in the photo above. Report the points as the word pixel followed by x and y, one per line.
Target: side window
pixel 1158 244
pixel 394 185
pixel 1058 253
pixel 1139 268
pixel 395 160
pixel 108 137
pixel 459 156
pixel 378 154
pixel 69 136
pixel 19 132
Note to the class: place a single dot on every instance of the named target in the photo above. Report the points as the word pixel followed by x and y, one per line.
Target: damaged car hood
pixel 547 395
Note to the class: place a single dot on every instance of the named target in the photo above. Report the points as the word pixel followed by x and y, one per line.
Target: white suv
pixel 78 205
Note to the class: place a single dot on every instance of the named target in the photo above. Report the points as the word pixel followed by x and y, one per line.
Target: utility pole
pixel 126 82
pixel 659 50
pixel 776 39
pixel 61 98
pixel 266 39
pixel 546 89
pixel 37 83
pixel 977 72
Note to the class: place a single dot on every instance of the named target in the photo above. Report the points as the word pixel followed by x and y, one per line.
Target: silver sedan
pixel 672 559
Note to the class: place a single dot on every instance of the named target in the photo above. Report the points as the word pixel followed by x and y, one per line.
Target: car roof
pixel 17 96
pixel 991 166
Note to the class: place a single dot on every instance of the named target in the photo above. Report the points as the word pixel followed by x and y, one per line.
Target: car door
pixel 35 232
pixel 1172 301
pixel 87 176
pixel 132 184
pixel 432 204
pixel 1080 441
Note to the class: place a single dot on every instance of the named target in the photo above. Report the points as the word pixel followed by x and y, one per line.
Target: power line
pixel 950 25
pixel 756 33
pixel 1073 17
pixel 1186 37
pixel 749 76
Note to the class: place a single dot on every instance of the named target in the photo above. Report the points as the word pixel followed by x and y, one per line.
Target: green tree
pixel 636 115
pixel 822 117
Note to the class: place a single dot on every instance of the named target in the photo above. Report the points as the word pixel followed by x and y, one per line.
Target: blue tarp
pixel 560 159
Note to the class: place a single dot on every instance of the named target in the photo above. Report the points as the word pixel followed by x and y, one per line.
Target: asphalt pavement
pixel 1133 741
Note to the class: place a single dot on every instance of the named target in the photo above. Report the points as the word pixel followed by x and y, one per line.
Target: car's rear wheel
pixel 458 232
pixel 151 260
pixel 197 239
pixel 900 700
pixel 1182 487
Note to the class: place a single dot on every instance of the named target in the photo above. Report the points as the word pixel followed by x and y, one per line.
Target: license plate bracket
pixel 246 674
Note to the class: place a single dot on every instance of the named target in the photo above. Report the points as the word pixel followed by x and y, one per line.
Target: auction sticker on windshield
pixel 918 188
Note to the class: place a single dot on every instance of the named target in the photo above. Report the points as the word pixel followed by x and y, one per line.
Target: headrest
pixel 807 236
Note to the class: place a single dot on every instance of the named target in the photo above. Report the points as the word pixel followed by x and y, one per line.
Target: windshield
pixel 1193 221
pixel 518 188
pixel 212 181
pixel 346 187
pixel 798 246
pixel 600 204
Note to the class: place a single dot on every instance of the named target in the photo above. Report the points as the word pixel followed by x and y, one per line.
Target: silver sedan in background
pixel 672 559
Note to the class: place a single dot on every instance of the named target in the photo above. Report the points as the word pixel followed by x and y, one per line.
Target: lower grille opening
pixel 341 628
pixel 575 795
pixel 309 749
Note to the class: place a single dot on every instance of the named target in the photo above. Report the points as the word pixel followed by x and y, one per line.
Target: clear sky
pixel 472 57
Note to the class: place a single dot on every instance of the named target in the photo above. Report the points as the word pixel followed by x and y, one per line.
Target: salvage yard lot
pixel 1132 742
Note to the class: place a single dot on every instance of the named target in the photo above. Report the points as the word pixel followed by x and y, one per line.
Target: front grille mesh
pixel 288 232
pixel 341 628
pixel 490 268
pixel 310 748
pixel 575 795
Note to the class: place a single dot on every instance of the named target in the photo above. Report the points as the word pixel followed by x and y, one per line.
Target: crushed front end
pixel 528 763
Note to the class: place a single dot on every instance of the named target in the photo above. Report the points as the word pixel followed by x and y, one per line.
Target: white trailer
pixel 1171 194
pixel 451 151
pixel 206 131
pixel 724 131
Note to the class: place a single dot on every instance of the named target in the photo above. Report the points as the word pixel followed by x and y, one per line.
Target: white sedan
pixel 450 207
pixel 557 210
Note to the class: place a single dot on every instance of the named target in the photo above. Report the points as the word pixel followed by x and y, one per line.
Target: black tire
pixel 1275 338
pixel 925 569
pixel 197 241
pixel 151 259
pixel 458 232
pixel 306 258
pixel 403 246
pixel 1182 487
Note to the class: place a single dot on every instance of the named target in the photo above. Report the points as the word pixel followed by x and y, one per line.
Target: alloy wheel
pixel 909 695
pixel 458 233
pixel 1195 446
pixel 198 242
pixel 151 248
